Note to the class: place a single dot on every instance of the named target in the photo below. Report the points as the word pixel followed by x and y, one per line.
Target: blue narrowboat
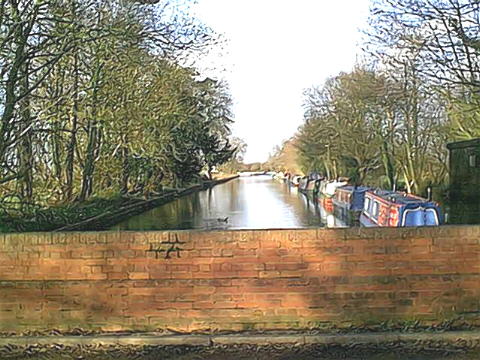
pixel 398 209
pixel 348 202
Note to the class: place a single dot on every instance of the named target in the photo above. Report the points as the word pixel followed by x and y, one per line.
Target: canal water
pixel 256 202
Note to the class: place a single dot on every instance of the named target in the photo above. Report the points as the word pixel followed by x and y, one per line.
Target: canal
pixel 256 202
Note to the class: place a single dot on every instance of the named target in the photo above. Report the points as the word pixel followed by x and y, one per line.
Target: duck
pixel 223 219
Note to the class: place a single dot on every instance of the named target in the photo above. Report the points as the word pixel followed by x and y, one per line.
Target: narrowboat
pixel 328 219
pixel 348 202
pixel 295 180
pixel 327 190
pixel 313 184
pixel 309 183
pixel 332 186
pixel 303 183
pixel 398 209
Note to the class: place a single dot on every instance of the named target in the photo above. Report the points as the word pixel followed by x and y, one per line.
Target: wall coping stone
pixel 103 237
pixel 463 339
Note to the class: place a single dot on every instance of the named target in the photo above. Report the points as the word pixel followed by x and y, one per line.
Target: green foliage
pixel 235 163
pixel 464 114
pixel 433 48
pixel 375 128
pixel 285 158
pixel 341 134
pixel 95 102
pixel 51 218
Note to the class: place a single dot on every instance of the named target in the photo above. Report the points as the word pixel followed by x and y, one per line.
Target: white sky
pixel 275 50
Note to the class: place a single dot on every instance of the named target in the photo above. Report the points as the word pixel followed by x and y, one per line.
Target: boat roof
pixel 400 197
pixel 351 188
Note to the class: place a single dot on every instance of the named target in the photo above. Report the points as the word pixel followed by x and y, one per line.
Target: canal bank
pixel 98 213
pixel 137 206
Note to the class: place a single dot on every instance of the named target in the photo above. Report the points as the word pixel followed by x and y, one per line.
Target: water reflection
pixel 327 218
pixel 249 203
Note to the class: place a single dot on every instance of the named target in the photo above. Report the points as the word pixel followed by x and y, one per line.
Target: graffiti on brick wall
pixel 167 248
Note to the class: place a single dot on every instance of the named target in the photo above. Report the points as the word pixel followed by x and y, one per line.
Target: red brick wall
pixel 238 280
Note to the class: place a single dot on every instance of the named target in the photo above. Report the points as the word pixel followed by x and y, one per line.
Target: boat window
pixel 431 217
pixel 367 204
pixel 375 209
pixel 420 217
pixel 413 217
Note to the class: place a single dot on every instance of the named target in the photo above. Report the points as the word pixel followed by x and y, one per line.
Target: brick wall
pixel 238 280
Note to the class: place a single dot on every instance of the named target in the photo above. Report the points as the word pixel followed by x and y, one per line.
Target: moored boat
pixel 328 219
pixel 295 180
pixel 327 190
pixel 309 183
pixel 348 202
pixel 398 209
pixel 303 183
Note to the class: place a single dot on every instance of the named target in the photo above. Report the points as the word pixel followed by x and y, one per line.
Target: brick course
pixel 238 280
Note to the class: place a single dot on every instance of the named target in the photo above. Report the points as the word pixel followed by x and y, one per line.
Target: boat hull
pixel 326 202
pixel 343 211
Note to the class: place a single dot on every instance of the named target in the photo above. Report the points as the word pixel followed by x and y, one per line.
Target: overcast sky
pixel 275 50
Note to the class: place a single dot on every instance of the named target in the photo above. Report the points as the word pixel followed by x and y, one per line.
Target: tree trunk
pixel 93 142
pixel 89 167
pixel 25 153
pixel 125 167
pixel 388 166
pixel 209 172
pixel 14 75
pixel 73 135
